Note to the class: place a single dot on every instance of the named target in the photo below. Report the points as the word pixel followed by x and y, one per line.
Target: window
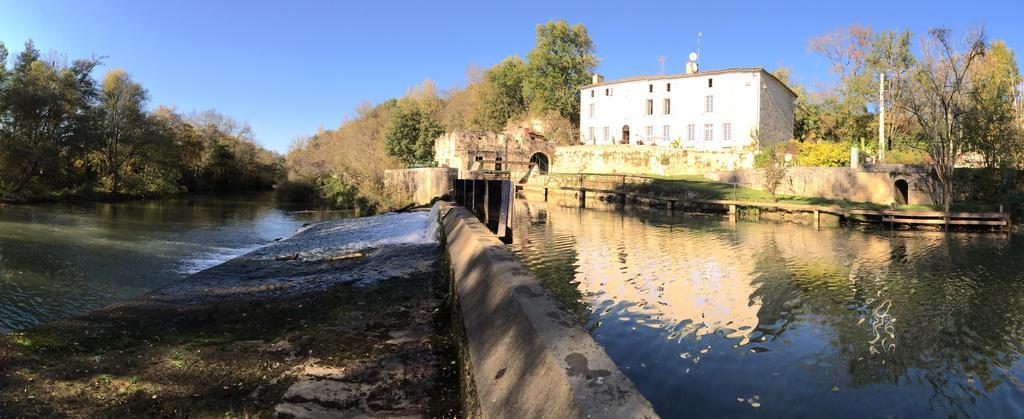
pixel 727 132
pixel 650 88
pixel 667 105
pixel 650 106
pixel 709 103
pixel 591 92
pixel 590 132
pixel 649 131
pixel 608 91
pixel 590 110
pixel 709 132
pixel 605 134
pixel 668 87
pixel 710 82
pixel 665 132
pixel 691 132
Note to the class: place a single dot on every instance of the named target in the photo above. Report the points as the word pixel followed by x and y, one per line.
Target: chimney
pixel 597 79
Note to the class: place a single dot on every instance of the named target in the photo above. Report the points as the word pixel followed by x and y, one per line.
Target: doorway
pixel 902 192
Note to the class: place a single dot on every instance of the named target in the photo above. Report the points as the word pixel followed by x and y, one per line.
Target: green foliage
pixel 63 134
pixel 989 123
pixel 907 156
pixel 341 194
pixel 411 135
pixel 502 96
pixel 773 164
pixel 562 61
pixel 822 154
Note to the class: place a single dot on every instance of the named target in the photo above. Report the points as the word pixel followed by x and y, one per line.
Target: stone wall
pixel 646 160
pixel 420 185
pixel 875 186
pixel 460 149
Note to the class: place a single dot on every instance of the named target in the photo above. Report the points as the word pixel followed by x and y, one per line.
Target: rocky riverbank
pixel 344 318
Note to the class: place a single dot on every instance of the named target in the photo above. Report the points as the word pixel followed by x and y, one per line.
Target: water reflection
pixel 61 260
pixel 714 319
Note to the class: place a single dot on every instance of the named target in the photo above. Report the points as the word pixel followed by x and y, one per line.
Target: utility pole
pixel 881 117
pixel 661 63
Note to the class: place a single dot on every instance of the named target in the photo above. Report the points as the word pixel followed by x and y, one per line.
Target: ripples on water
pixel 713 319
pixel 63 260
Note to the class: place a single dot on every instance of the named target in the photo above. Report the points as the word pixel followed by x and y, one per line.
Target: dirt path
pixel 300 328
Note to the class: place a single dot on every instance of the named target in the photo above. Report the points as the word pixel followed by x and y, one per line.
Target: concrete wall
pixel 420 185
pixel 839 183
pixel 528 357
pixel 642 160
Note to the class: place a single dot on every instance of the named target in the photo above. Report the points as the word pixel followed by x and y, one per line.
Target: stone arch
pixel 901 192
pixel 625 134
pixel 542 162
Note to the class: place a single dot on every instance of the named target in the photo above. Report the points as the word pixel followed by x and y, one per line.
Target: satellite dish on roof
pixel 691 66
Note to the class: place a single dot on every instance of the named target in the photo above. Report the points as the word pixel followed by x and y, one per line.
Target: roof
pixel 697 74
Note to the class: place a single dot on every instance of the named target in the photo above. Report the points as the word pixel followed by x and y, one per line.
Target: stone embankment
pixel 529 358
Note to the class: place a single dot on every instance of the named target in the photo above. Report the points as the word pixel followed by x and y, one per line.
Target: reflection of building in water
pixel 702 280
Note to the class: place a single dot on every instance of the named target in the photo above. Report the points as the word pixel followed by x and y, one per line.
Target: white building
pixel 713 110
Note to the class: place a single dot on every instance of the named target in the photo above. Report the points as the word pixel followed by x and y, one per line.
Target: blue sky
pixel 290 67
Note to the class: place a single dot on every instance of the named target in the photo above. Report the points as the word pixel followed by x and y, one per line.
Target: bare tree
pixel 939 99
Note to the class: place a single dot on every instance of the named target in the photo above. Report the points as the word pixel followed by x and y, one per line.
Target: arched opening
pixel 901 190
pixel 540 160
pixel 625 134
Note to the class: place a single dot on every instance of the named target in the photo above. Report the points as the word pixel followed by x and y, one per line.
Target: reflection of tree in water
pixel 554 256
pixel 944 317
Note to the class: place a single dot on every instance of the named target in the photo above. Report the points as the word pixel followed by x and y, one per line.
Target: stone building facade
pixel 724 110
pixel 476 153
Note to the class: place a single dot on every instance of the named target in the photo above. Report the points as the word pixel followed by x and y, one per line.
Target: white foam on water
pixel 348 235
pixel 382 230
pixel 214 257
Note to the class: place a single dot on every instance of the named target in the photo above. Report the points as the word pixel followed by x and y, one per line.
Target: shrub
pixel 773 162
pixel 822 154
pixel 906 156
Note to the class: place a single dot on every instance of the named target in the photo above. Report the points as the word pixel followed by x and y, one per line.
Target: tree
pixel 411 135
pixel 989 124
pixel 37 107
pixel 890 54
pixel 940 100
pixel 502 94
pixel 562 61
pixel 123 104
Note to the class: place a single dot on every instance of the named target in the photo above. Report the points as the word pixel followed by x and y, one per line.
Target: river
pixel 62 260
pixel 712 319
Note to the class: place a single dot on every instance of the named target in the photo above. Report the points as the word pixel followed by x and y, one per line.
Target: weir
pixel 528 356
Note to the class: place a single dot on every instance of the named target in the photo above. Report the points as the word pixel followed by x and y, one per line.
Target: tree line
pixel 949 100
pixel 344 166
pixel 64 134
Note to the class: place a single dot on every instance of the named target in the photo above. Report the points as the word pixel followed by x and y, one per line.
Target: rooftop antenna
pixel 661 63
pixel 699 34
